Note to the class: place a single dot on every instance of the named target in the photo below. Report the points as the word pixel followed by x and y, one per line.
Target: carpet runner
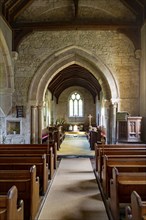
pixel 74 193
pixel 75 143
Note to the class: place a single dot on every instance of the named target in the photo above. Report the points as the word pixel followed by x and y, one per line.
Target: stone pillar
pixel 33 124
pixel 113 124
pixel 52 113
pixel 107 119
pixel 40 124
pixel 143 82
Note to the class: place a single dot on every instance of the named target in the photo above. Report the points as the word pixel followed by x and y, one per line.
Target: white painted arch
pixel 64 58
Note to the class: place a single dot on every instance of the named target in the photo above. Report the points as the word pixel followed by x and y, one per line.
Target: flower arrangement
pixel 60 121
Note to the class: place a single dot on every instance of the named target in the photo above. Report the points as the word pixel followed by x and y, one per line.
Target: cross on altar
pixel 90 117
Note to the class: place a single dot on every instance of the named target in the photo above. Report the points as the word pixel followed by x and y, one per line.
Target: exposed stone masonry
pixel 114 50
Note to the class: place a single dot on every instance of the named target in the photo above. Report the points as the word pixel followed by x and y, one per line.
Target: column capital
pixel 14 55
pixel 33 106
pixel 106 103
pixel 40 107
pixel 115 101
pixel 138 53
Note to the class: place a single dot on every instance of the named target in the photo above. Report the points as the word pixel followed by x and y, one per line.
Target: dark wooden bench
pixel 137 208
pixel 30 149
pixel 116 151
pixel 58 135
pixel 124 163
pixel 28 188
pixel 97 146
pixel 121 187
pixel 25 162
pixel 10 208
pixel 49 138
pixel 103 147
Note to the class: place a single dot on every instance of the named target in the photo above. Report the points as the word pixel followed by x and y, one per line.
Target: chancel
pixel 72 109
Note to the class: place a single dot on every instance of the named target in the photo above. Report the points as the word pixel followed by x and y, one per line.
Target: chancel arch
pixel 63 59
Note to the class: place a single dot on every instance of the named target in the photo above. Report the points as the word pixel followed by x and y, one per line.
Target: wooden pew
pixel 116 151
pixel 30 149
pixel 58 135
pixel 137 208
pixel 124 163
pixel 10 209
pixel 28 188
pixel 54 147
pixel 104 147
pixel 121 187
pixel 26 162
pixel 123 145
pixel 49 138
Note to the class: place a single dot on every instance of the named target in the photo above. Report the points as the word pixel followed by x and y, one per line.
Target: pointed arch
pixel 64 58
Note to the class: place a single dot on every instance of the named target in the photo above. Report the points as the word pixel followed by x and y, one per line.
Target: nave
pixel 109 182
pixel 119 170
pixel 74 193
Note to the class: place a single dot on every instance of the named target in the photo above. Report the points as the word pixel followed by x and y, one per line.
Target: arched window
pixel 75 105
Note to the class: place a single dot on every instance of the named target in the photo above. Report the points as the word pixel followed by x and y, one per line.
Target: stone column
pixel 52 113
pixel 39 124
pixel 107 119
pixel 113 124
pixel 33 125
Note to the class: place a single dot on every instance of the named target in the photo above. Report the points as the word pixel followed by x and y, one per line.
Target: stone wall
pixel 88 103
pixel 113 49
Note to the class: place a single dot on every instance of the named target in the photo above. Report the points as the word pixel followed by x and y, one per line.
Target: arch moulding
pixel 64 58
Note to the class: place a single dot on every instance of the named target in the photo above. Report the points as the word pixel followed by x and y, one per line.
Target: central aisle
pixel 75 144
pixel 74 194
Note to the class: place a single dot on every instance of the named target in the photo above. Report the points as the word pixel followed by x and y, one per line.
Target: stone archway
pixel 6 77
pixel 64 58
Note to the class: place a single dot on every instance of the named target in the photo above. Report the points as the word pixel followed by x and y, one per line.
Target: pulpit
pixel 129 130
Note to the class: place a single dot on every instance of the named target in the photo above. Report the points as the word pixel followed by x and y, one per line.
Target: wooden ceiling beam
pixel 72 81
pixel 21 30
pixel 143 4
pixel 7 5
pixel 76 6
pixel 135 7
pixel 40 26
pixel 23 4
pixel 12 10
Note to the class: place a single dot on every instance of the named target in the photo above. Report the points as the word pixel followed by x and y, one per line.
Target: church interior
pixel 74 70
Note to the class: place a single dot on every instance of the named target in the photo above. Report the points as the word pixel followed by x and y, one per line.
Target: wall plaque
pixel 19 111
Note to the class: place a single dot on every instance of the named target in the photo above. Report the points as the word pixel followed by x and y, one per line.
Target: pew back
pixel 28 188
pixel 26 150
pixel 116 151
pixel 137 208
pixel 121 187
pixel 9 209
pixel 123 164
pixel 26 162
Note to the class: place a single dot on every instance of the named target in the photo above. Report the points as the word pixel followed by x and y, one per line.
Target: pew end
pixel 10 207
pixel 137 209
